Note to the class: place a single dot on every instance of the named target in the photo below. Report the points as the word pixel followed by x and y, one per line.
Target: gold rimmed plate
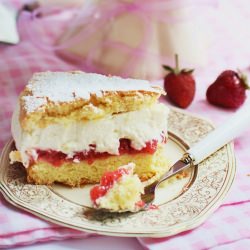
pixel 183 203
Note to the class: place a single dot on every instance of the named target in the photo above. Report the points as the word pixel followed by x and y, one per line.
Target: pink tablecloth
pixel 227 228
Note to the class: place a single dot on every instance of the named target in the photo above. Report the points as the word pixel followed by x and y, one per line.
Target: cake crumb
pixel 182 175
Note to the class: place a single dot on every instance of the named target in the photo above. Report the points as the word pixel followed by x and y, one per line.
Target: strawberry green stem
pixel 176 70
pixel 243 79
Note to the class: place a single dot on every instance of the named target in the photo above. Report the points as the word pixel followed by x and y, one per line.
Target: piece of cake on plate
pixel 72 127
pixel 119 190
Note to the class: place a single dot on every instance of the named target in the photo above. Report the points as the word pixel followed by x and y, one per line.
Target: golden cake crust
pixel 41 108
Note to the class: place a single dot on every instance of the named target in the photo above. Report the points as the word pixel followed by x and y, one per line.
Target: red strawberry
pixel 228 90
pixel 179 85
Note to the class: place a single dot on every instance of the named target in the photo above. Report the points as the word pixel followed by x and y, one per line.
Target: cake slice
pixel 119 191
pixel 72 127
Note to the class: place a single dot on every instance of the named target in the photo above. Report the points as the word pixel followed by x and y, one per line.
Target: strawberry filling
pixel 140 204
pixel 57 158
pixel 107 182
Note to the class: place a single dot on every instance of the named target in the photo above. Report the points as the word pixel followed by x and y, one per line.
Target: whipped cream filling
pixel 138 126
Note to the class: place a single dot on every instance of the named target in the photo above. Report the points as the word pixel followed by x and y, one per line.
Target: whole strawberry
pixel 179 85
pixel 228 90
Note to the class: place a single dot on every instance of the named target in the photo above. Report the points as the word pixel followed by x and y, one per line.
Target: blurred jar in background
pixel 133 38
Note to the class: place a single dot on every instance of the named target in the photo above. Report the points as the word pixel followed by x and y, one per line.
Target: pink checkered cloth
pixel 17 64
pixel 228 227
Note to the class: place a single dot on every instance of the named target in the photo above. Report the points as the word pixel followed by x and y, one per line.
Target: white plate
pixel 183 203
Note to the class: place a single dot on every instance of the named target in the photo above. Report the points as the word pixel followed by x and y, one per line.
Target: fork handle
pixel 226 132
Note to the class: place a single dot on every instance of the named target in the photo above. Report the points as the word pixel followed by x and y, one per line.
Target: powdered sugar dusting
pixel 94 109
pixel 69 86
pixel 33 103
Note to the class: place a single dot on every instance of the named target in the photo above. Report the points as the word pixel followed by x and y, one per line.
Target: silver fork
pixel 216 139
pixel 149 191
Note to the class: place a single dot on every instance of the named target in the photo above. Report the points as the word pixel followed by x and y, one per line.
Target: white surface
pixel 8 26
pixel 93 243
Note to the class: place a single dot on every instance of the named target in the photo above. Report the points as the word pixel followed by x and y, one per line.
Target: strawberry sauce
pixel 57 158
pixel 107 181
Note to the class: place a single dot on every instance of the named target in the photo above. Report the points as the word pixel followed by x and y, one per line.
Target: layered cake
pixel 119 190
pixel 72 127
